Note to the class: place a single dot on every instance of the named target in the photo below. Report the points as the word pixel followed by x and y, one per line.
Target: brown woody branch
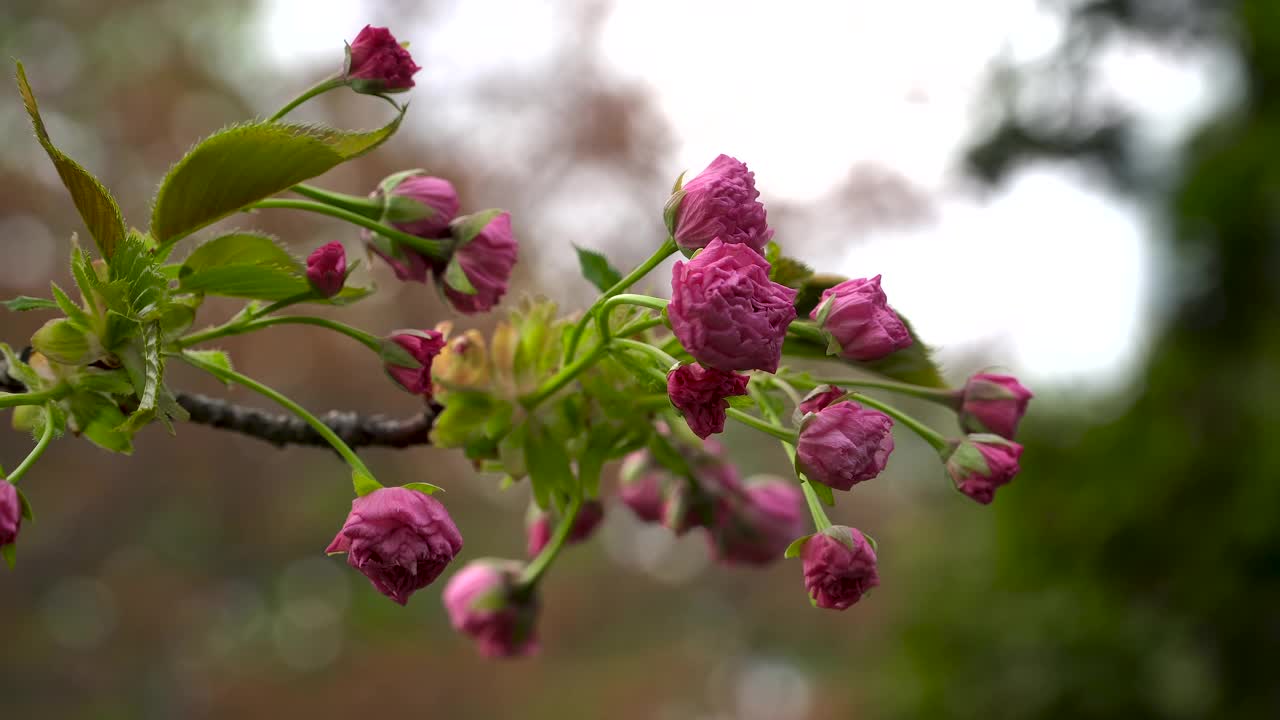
pixel 281 429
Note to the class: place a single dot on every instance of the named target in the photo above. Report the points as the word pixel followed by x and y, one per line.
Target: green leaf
pixel 259 282
pixel 784 270
pixel 423 487
pixel 19 370
pixel 796 547
pixel 600 443
pixel 74 312
pixel 363 483
pixel 96 206
pixel 146 371
pixel 547 460
pixel 912 364
pixel 239 248
pixel 217 358
pixel 108 382
pixel 22 303
pixel 597 269
pixel 63 342
pixel 240 165
pixel 136 288
pixel 98 420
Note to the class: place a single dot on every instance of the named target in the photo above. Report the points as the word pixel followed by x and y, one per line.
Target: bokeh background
pixel 1085 192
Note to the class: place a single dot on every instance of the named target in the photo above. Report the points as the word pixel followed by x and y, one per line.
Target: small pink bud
pixel 10 513
pixel 993 404
pixel 401 539
pixel 376 63
pixel 980 464
pixel 421 346
pixel 856 316
pixel 327 269
pixel 699 394
pixel 720 202
pixel 839 567
pixel 727 312
pixel 584 525
pixel 484 256
pixel 755 526
pixel 484 602
pixel 641 486
pixel 844 444
pixel 820 398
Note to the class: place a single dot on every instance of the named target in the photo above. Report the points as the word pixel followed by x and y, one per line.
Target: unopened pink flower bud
pixel 417 203
pixel 641 485
pixel 484 601
pixel 409 348
pixel 727 312
pixel 10 513
pixel 980 464
pixel 720 202
pixel 327 269
pixel 839 567
pixel 584 525
pixel 476 276
pixel 376 63
pixel 820 398
pixel 993 404
pixel 700 393
pixel 401 539
pixel 859 322
pixel 755 526
pixel 844 444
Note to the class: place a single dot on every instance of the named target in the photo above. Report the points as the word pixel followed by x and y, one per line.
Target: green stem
pixel 282 304
pixel 820 520
pixel 662 253
pixel 930 435
pixel 436 249
pixel 752 421
pixel 806 330
pixel 534 571
pixel 602 314
pixel 371 209
pixel 360 336
pixel 638 326
pixel 319 88
pixel 564 377
pixel 46 435
pixel 231 376
pixel 787 389
pixel 666 360
pixel 33 398
pixel 938 395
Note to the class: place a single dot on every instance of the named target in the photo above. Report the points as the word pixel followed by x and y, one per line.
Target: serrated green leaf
pixel 97 208
pixel 239 248
pixel 23 303
pixel 108 382
pixel 146 372
pixel 217 358
pixel 790 272
pixel 423 487
pixel 74 312
pixel 134 273
pixel 597 269
pixel 258 282
pixel 243 164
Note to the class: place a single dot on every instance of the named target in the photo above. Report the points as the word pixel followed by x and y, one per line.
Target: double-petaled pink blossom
pixel 700 394
pixel 857 318
pixel 720 202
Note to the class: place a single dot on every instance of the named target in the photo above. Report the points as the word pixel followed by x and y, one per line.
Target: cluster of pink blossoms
pixel 732 318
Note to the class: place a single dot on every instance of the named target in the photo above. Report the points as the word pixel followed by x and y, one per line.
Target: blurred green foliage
pixel 1135 568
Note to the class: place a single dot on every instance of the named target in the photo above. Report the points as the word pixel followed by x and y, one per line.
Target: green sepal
pixel 27 513
pixel 10 553
pixel 796 547
pixel 671 211
pixel 465 228
pixel 423 487
pixel 363 483
pixel 97 418
pixel 456 277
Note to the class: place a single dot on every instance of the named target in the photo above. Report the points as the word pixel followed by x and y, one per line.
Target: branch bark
pixel 281 429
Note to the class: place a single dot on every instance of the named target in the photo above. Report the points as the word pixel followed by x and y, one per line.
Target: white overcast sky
pixel 1077 270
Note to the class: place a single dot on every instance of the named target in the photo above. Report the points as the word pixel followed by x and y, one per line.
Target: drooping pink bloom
pixel 484 602
pixel 584 525
pixel 820 398
pixel 376 63
pixel 696 501
pixel 10 513
pixel 844 444
pixel 642 485
pixel 727 312
pixel 980 464
pixel 327 268
pixel 720 202
pixel 856 316
pixel 755 526
pixel 422 346
pixel 485 255
pixel 993 404
pixel 401 539
pixel 699 394
pixel 839 567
